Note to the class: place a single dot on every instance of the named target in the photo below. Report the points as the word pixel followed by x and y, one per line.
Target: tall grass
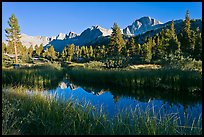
pixel 40 115
pixel 171 79
pixel 38 77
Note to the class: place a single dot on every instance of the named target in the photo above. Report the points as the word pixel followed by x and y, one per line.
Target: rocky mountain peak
pixel 142 25
pixel 61 36
pixel 71 35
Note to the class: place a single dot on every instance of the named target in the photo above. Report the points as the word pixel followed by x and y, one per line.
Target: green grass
pixel 23 114
pixel 166 79
pixel 39 77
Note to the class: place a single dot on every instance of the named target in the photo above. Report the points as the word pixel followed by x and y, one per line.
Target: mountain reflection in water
pixel 114 101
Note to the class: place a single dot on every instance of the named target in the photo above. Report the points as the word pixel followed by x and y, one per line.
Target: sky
pixel 51 18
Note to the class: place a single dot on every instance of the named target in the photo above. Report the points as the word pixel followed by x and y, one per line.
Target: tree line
pixel 119 52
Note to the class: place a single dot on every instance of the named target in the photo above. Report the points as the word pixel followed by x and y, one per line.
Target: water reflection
pixel 65 84
pixel 112 98
pixel 114 101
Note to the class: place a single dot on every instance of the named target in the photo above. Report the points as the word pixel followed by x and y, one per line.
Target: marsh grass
pixel 41 115
pixel 39 77
pixel 166 79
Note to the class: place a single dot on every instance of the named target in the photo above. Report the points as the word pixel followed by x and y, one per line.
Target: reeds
pixel 167 79
pixel 36 77
pixel 40 115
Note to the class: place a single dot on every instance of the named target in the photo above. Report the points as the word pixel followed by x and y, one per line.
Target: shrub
pixel 116 62
pixel 94 64
pixel 181 62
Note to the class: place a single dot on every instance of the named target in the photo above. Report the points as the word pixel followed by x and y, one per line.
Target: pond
pixel 116 101
pixel 85 86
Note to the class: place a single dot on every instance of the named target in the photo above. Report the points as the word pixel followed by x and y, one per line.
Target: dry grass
pixel 73 64
pixel 145 66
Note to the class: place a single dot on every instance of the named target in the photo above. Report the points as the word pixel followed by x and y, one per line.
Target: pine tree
pixel 4 48
pixel 77 52
pixel 131 47
pixel 137 49
pixel 147 50
pixel 187 42
pixel 39 50
pixel 90 51
pixel 198 45
pixel 103 52
pixel 70 51
pixel 36 49
pixel 64 53
pixel 83 52
pixel 30 51
pixel 116 41
pixel 10 48
pixel 174 44
pixel 13 34
pixel 87 52
pixel 51 53
pixel 24 53
pixel 97 52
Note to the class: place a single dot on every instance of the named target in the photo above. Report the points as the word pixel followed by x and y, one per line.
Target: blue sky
pixel 51 18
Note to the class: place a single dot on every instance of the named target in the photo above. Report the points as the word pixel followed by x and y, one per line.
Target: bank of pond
pixel 76 100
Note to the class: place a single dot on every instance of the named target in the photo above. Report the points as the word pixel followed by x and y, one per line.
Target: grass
pixel 40 115
pixel 73 64
pixel 165 79
pixel 145 66
pixel 39 77
pixel 23 114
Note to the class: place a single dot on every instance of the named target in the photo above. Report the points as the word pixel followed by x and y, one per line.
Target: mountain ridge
pixel 96 34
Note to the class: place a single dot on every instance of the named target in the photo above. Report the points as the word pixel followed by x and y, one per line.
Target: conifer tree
pixel 103 51
pixel 187 42
pixel 39 50
pixel 97 52
pixel 24 53
pixel 137 49
pixel 83 52
pixel 4 48
pixel 70 51
pixel 77 52
pixel 13 34
pixel 90 51
pixel 174 44
pixel 116 41
pixel 147 50
pixel 131 47
pixel 64 53
pixel 198 45
pixel 30 51
pixel 51 53
pixel 87 52
pixel 10 48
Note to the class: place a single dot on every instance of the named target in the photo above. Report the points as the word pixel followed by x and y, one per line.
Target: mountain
pixel 141 26
pixel 96 35
pixel 178 24
pixel 92 34
pixel 34 40
pixel 89 36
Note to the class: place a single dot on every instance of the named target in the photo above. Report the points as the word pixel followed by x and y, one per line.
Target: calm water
pixel 113 99
pixel 116 101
